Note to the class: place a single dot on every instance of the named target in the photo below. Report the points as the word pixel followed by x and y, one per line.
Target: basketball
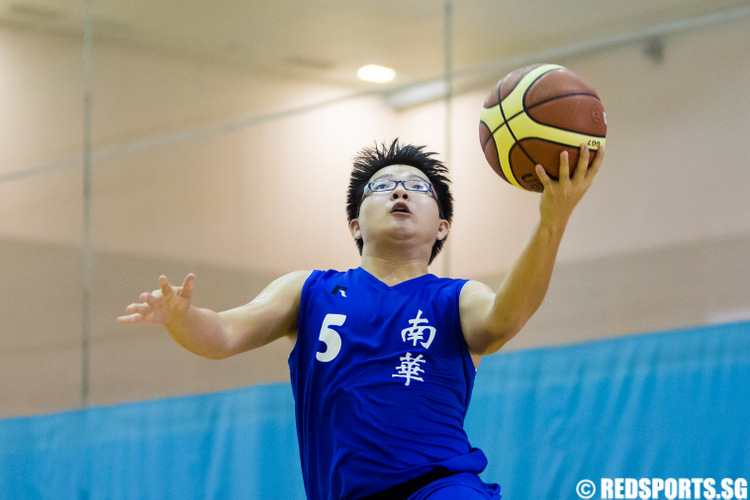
pixel 532 115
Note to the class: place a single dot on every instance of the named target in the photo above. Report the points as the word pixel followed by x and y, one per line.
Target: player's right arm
pixel 218 335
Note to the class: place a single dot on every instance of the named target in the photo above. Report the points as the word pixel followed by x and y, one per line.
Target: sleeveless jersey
pixel 382 379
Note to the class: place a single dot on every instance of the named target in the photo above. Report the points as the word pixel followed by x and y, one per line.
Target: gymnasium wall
pixel 208 168
pixel 663 406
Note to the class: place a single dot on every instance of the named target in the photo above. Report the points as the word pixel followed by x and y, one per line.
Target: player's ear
pixel 354 229
pixel 443 229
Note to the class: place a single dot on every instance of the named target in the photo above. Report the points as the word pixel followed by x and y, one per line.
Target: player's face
pixel 406 213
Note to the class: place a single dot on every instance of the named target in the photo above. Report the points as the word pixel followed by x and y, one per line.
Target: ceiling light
pixel 375 73
pixel 417 93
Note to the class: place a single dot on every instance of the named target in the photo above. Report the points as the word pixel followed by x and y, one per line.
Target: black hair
pixel 371 159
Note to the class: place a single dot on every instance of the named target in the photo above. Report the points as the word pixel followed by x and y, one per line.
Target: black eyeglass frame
pixel 430 190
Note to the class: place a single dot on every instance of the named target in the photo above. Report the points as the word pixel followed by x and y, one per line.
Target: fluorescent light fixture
pixel 418 93
pixel 375 73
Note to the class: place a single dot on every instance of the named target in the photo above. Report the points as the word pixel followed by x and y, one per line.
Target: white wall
pixel 192 173
pixel 676 169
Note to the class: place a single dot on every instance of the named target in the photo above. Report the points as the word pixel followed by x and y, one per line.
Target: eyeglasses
pixel 385 185
pixel 418 185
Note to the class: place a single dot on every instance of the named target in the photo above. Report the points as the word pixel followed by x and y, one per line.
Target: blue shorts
pixel 464 485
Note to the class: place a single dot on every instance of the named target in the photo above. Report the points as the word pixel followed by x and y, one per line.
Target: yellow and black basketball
pixel 533 114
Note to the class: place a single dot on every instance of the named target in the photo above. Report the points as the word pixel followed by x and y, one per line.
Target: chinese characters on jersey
pixel 419 333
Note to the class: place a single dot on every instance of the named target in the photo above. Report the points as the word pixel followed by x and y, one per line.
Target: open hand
pixel 162 306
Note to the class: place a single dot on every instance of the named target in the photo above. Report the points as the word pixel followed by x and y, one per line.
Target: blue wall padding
pixel 236 444
pixel 667 405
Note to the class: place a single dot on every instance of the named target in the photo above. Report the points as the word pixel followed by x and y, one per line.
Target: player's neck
pixel 394 271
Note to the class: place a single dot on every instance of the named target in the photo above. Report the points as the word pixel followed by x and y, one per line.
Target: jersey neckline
pixel 382 284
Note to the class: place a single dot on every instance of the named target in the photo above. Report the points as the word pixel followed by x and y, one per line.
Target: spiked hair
pixel 371 159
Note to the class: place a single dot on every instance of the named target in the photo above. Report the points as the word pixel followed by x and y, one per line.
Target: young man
pixel 385 355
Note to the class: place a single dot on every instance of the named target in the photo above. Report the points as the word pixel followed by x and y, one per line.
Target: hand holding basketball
pixel 533 114
pixel 560 197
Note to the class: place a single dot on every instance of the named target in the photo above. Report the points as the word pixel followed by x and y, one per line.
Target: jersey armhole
pixel 306 287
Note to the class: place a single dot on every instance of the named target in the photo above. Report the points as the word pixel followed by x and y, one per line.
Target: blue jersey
pixel 382 379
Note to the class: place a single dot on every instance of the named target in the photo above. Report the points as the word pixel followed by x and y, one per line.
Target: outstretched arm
pixel 217 335
pixel 490 319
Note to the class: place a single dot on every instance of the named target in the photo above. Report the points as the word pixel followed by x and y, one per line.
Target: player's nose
pixel 400 191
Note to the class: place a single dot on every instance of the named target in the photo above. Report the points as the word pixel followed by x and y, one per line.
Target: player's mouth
pixel 400 207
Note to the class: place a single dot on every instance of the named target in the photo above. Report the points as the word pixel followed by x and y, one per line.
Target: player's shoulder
pixel 475 298
pixel 473 287
pixel 290 284
pixel 296 276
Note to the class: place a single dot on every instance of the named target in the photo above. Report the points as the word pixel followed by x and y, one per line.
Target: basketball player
pixel 385 355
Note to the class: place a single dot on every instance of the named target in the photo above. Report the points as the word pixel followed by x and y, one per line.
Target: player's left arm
pixel 490 319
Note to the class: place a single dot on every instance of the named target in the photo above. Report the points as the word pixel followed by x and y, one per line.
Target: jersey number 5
pixel 330 337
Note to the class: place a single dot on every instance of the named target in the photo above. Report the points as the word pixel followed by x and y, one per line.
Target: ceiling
pixel 326 41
